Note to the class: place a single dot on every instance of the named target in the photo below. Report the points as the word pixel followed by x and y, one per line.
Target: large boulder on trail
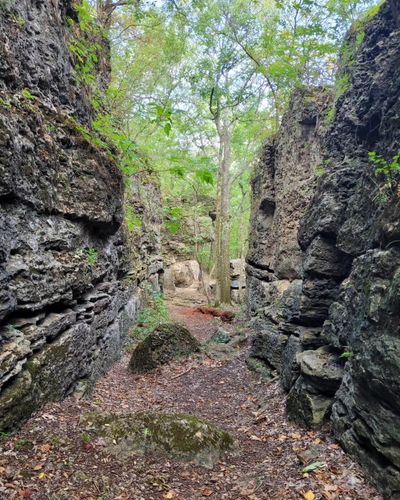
pixel 165 343
pixel 182 274
pixel 182 437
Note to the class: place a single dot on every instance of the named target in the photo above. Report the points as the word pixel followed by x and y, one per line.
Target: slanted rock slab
pixel 322 369
pixel 165 343
pixel 182 437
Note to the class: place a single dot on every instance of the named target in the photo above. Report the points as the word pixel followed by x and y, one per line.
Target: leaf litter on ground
pixel 225 392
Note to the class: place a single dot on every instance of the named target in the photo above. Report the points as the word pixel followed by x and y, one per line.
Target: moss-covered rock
pixel 259 366
pixel 165 343
pixel 183 437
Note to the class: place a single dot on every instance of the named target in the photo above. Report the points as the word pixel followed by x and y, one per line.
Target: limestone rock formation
pixel 283 186
pixel 182 274
pixel 345 297
pixel 65 298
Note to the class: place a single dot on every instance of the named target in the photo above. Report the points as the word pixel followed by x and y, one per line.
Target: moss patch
pixel 183 437
pixel 258 366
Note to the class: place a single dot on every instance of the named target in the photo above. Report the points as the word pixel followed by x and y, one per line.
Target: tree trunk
pixel 222 224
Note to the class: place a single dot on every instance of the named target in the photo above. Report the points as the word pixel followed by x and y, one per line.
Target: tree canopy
pixel 197 86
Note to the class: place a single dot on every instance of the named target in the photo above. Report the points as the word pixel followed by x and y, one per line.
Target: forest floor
pixel 50 457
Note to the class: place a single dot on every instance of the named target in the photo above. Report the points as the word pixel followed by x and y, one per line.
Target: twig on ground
pixel 184 373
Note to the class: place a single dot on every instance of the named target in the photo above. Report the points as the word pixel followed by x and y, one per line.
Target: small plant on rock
pixel 151 316
pixel 92 256
pixel 389 171
pixel 26 94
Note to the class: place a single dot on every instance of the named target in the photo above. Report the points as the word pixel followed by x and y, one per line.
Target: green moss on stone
pixel 258 366
pixel 183 437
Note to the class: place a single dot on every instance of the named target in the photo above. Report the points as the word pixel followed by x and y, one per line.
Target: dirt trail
pixel 51 458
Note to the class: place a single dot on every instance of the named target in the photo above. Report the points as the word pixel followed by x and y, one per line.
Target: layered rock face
pixel 344 314
pixel 65 301
pixel 283 186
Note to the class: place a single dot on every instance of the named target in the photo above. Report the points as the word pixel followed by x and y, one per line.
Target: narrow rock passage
pixel 52 457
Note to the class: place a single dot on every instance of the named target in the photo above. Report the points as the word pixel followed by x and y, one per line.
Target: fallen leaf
pixel 38 467
pixel 255 438
pixel 42 475
pixel 331 487
pixel 169 495
pixel 25 494
pixel 207 492
pixel 45 448
pixel 313 466
pixel 308 495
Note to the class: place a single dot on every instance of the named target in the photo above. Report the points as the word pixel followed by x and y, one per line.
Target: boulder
pixel 220 337
pixel 237 269
pixel 165 343
pixel 182 437
pixel 183 274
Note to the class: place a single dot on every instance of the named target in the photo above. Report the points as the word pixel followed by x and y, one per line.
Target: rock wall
pixel 283 185
pixel 347 301
pixel 66 298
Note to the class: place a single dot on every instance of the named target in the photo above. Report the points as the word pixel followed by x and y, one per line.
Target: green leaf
pixel 313 466
pixel 172 226
pixel 347 354
pixel 205 176
pixel 167 128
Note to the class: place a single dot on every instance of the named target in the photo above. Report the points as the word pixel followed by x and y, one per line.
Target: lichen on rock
pixel 182 437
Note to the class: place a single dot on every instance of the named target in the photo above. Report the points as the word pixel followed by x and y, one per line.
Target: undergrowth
pixel 153 314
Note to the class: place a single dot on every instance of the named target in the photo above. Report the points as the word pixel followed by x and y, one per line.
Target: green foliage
pixel 132 218
pixel 320 171
pixel 151 316
pixel 386 167
pixel 86 57
pixel 388 172
pixel 172 217
pixel 26 94
pixel 91 256
pixel 85 438
pixel 4 104
pixel 368 15
pixel 205 176
pixel 84 46
pixel 163 116
pixel 169 60
pixel 342 85
pixel 346 355
pixel 21 444
pixel 18 20
pixel 4 436
pixel 329 115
